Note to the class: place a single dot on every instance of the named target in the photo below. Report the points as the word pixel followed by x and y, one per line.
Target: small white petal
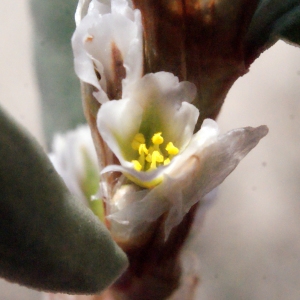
pixel 81 10
pixel 118 122
pixel 155 102
pixel 145 179
pixel 209 168
pixel 107 27
pixel 191 180
pixel 138 216
pixel 163 86
pixel 83 63
pixel 110 29
pixel 123 7
pixel 133 61
pixel 68 156
pixel 206 135
pixel 167 99
pixel 100 6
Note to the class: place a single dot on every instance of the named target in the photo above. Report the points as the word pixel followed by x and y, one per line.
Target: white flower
pixel 154 113
pixel 74 158
pixel 107 45
pixel 158 103
pixel 149 125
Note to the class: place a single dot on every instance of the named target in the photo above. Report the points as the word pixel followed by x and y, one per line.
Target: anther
pixel 136 165
pixel 171 149
pixel 167 161
pixel 156 157
pixel 157 139
pixel 143 149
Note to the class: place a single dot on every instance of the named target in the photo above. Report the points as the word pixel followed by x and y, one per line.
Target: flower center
pixel 151 158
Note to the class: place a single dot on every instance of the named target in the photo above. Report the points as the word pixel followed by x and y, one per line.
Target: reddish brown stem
pixel 200 41
pixel 154 271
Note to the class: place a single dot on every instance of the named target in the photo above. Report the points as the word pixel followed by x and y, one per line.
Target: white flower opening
pixel 150 127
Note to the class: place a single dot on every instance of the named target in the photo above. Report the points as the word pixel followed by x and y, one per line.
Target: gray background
pixel 249 245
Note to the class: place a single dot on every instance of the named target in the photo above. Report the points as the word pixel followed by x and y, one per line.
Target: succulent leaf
pixel 48 240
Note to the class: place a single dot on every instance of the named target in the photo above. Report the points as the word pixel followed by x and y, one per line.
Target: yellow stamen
pixel 156 157
pixel 149 156
pixel 152 157
pixel 157 139
pixel 167 161
pixel 137 141
pixel 136 165
pixel 159 158
pixel 143 149
pixel 171 149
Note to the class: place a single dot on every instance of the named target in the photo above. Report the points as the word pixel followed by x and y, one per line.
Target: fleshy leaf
pixel 273 20
pixel 48 240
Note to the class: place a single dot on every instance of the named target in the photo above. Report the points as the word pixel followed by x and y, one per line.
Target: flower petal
pixel 190 180
pixel 155 103
pixel 81 10
pixel 206 135
pixel 165 102
pixel 144 179
pixel 83 63
pixel 118 122
pixel 213 164
pixel 73 154
pixel 110 31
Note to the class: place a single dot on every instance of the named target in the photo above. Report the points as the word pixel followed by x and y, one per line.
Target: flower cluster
pixel 148 123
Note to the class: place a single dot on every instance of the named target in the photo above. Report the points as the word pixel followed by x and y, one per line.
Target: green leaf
pixel 59 87
pixel 48 240
pixel 288 27
pixel 273 20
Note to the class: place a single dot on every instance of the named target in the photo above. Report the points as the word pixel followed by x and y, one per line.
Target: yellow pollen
pixel 156 157
pixel 167 161
pixel 157 139
pixel 171 149
pixel 136 165
pixel 152 157
pixel 137 141
pixel 143 149
pixel 149 158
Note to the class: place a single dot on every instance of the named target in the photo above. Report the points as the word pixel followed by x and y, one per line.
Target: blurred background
pixel 249 245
